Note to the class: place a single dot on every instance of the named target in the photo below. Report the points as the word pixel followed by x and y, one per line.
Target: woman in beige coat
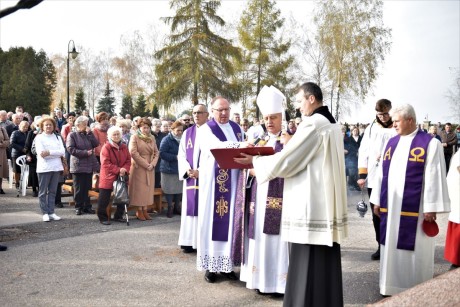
pixel 4 143
pixel 144 155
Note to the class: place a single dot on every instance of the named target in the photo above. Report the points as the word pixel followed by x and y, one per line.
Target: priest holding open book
pixel 314 215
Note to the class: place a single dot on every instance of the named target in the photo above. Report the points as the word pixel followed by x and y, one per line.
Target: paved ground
pixel 79 262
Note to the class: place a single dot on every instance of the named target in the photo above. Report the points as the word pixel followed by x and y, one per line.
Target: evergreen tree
pixel 80 103
pixel 155 112
pixel 61 106
pixel 127 106
pixel 266 52
pixel 27 78
pixel 195 63
pixel 140 109
pixel 107 103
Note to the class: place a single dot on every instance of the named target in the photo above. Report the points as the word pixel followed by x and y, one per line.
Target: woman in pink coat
pixel 144 154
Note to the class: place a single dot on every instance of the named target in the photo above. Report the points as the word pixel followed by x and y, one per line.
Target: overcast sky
pixel 418 70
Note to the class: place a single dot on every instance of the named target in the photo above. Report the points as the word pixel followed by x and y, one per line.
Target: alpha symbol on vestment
pixel 189 144
pixel 387 154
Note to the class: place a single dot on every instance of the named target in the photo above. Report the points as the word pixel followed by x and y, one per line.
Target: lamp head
pixel 74 53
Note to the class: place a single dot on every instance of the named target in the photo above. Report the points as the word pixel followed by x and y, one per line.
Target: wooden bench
pixel 157 204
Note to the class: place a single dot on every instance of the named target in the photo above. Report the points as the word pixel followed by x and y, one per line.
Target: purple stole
pixel 192 183
pixel 412 190
pixel 272 219
pixel 222 187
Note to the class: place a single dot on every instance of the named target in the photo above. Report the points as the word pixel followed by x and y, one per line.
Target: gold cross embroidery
pixel 222 207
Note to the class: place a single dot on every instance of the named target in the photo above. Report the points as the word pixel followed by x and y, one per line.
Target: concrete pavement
pixel 79 262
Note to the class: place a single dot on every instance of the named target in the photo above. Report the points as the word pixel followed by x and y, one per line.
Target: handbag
pixel 120 191
pixel 65 171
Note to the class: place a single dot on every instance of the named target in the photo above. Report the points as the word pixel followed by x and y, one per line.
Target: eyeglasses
pixel 383 114
pixel 186 120
pixel 222 110
pixel 199 113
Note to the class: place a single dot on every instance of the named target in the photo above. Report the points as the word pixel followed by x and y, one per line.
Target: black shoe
pixel 1 191
pixel 105 222
pixel 187 249
pixel 376 255
pixel 119 219
pixel 230 275
pixel 89 211
pixel 177 211
pixel 59 205
pixel 453 267
pixel 3 248
pixel 78 211
pixel 35 193
pixel 210 277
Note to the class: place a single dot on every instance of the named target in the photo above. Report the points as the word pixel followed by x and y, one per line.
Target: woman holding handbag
pixel 115 161
pixel 144 154
pixel 50 150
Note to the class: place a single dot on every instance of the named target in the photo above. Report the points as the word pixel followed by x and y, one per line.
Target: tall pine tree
pixel 80 103
pixel 195 64
pixel 266 58
pixel 140 109
pixel 127 106
pixel 107 103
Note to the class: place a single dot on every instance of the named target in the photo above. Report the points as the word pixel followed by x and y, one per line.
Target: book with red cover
pixel 224 156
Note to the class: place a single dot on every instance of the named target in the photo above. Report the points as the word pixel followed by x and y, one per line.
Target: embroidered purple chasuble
pixel 412 194
pixel 222 187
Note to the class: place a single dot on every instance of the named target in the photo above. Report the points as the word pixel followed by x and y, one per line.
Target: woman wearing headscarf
pixel 115 161
pixel 170 183
pixel 82 144
pixel 144 157
pixel 50 150
pixel 100 132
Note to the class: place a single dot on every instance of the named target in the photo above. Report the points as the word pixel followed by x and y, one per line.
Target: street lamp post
pixel 74 55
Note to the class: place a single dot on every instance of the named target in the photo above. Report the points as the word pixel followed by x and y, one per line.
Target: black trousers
pixel 58 199
pixel 102 204
pixel 375 220
pixel 82 183
pixel 447 157
pixel 314 276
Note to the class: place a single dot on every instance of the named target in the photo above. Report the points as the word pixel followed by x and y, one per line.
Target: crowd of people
pixel 282 217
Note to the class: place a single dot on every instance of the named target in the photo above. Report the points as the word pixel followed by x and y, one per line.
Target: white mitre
pixel 270 100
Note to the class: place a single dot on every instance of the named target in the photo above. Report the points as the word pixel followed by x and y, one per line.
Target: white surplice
pixel 188 224
pixel 403 269
pixel 214 256
pixel 266 256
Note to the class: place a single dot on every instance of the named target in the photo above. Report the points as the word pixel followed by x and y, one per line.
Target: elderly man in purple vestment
pixel 266 257
pixel 217 193
pixel 188 172
pixel 314 217
pixel 410 190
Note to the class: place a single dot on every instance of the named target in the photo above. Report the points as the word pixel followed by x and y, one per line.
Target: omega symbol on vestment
pixel 416 154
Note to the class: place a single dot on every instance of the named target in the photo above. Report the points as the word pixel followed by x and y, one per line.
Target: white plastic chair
pixel 21 161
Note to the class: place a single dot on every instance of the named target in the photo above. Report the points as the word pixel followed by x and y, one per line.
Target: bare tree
pixel 354 41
